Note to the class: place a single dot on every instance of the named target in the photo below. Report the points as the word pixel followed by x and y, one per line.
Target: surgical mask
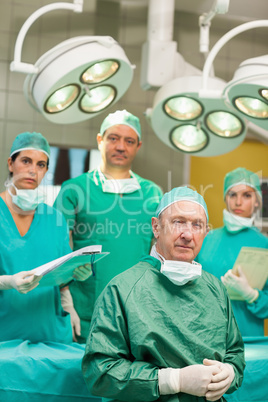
pixel 27 200
pixel 235 223
pixel 181 272
pixel 119 186
pixel 178 272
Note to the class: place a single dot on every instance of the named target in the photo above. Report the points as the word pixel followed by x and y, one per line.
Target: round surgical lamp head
pixel 194 122
pixel 78 79
pixel 248 90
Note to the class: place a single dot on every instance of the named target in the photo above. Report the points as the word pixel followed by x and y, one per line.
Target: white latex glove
pixel 240 285
pixel 193 380
pixel 82 272
pixel 67 305
pixel 221 382
pixel 23 281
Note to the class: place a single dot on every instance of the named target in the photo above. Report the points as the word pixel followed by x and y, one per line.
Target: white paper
pixel 60 271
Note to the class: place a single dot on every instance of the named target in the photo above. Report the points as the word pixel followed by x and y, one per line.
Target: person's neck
pixel 111 172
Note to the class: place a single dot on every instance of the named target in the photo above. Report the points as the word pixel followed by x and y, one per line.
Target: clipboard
pixel 60 271
pixel 254 264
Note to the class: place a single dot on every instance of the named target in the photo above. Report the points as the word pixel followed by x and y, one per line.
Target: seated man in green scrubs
pixel 111 206
pixel 164 329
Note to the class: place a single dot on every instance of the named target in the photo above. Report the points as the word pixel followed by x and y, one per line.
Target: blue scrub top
pixel 36 316
pixel 218 254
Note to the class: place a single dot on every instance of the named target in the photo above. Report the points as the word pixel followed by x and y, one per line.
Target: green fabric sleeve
pixel 234 349
pixel 260 307
pixel 108 366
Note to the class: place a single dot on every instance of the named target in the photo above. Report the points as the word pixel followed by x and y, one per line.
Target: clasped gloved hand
pixel 82 272
pixel 240 285
pixel 221 382
pixel 23 281
pixel 193 380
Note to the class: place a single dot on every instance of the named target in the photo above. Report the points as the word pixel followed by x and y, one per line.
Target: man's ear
pixel 9 165
pixel 208 228
pixel 155 227
pixel 139 145
pixel 99 140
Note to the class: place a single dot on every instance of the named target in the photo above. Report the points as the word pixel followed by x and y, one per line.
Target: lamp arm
pixel 16 64
pixel 223 40
pixel 219 7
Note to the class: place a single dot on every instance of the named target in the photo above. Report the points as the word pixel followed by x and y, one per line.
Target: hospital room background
pixel 127 22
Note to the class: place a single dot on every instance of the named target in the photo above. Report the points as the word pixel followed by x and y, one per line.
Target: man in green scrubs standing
pixel 110 206
pixel 164 330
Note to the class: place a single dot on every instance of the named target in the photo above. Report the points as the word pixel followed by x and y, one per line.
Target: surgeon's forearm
pixel 120 378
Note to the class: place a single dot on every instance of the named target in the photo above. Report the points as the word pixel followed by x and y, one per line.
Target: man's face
pixel 119 146
pixel 180 231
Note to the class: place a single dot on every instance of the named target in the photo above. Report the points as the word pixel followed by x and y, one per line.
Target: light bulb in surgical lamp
pixel 264 93
pixel 252 107
pixel 97 99
pixel 189 138
pixel 62 99
pixel 99 72
pixel 224 124
pixel 183 108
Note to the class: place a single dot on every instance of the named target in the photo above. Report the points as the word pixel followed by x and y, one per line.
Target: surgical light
pixel 193 111
pixel 77 79
pixel 191 123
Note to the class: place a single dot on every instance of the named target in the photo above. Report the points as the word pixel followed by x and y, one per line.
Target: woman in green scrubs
pixel 34 328
pixel 221 247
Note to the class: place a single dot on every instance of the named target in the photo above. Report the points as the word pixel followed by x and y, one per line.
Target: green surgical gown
pixel 143 322
pixel 121 223
pixel 218 254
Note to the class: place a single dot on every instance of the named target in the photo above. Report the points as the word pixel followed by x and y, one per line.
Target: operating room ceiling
pixel 243 10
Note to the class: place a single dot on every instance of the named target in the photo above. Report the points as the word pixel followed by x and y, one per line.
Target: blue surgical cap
pixel 242 176
pixel 28 140
pixel 181 194
pixel 121 117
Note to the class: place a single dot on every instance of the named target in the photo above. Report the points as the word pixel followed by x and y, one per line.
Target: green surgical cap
pixel 242 176
pixel 121 117
pixel 181 194
pixel 30 141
